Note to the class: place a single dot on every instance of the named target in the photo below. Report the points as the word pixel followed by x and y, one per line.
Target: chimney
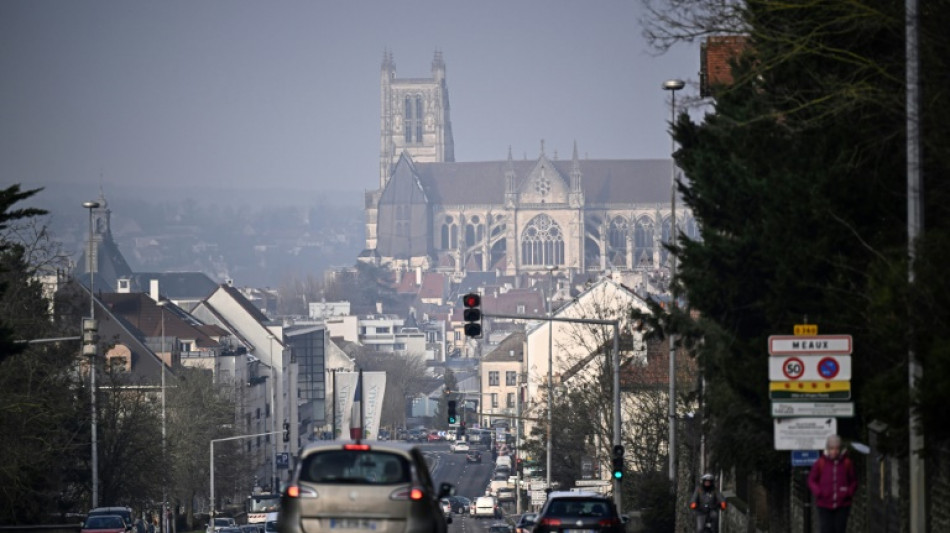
pixel 153 289
pixel 418 275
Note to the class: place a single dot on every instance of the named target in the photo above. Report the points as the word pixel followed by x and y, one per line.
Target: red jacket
pixel 833 481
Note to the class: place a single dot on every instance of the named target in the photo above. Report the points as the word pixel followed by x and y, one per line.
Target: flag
pixel 356 424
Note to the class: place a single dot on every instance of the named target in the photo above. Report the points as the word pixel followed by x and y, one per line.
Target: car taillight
pixel 550 522
pixel 295 491
pixel 357 447
pixel 407 493
pixel 609 522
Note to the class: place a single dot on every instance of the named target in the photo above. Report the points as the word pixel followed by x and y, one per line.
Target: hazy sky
pixel 247 94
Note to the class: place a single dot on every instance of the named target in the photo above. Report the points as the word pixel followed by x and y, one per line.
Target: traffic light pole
pixel 615 363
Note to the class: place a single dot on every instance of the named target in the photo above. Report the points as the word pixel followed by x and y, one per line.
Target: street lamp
pixel 91 268
pixel 550 377
pixel 161 309
pixel 672 86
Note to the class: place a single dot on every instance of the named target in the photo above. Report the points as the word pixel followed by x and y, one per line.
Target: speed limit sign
pixel 793 368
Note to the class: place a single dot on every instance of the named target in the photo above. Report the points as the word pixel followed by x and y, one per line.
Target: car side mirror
pixel 446 489
pixel 624 518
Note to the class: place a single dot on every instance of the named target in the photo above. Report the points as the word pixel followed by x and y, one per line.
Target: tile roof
pixel 503 352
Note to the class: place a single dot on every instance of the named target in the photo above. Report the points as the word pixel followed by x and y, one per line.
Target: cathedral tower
pixel 414 117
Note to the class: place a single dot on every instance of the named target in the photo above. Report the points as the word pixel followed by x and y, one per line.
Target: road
pixel 470 480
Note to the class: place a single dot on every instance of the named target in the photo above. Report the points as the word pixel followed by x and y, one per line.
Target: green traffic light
pixel 618 475
pixel 452 420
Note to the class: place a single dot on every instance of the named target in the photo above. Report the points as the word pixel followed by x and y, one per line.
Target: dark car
pixel 579 510
pixel 124 512
pixel 499 528
pixel 474 457
pixel 460 504
pixel 526 522
pixel 372 485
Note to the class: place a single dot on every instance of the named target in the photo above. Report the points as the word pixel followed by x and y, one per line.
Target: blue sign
pixel 804 457
pixel 828 368
pixel 282 460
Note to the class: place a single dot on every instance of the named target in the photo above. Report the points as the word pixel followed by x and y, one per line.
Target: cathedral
pixel 506 216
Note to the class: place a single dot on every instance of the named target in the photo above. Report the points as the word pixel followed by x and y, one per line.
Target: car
pixel 471 508
pixel 368 485
pixel 459 447
pixel 498 527
pixel 435 437
pixel 104 523
pixel 446 506
pixel 506 494
pixel 270 523
pixel 124 512
pixel 473 457
pixel 460 504
pixel 581 510
pixel 252 528
pixel 487 506
pixel 526 522
pixel 230 529
pixel 220 523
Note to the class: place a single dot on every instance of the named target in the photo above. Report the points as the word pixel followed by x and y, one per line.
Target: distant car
pixel 461 447
pixel 506 494
pixel 499 528
pixel 252 528
pixel 371 485
pixel 124 512
pixel 460 504
pixel 434 436
pixel 220 523
pixel 487 506
pixel 104 523
pixel 474 457
pixel 585 511
pixel 234 529
pixel 446 506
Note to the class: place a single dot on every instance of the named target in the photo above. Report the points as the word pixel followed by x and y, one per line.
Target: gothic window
pixel 542 242
pixel 469 235
pixel 455 236
pixel 418 119
pixel 445 236
pixel 643 242
pixel 408 120
pixel 617 241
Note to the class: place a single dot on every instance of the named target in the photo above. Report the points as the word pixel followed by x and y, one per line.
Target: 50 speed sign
pixel 810 368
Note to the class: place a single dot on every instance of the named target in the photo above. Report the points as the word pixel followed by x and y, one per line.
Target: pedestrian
pixel 140 525
pixel 150 525
pixel 833 482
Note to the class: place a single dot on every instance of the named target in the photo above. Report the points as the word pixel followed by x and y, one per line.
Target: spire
pixel 387 64
pixel 510 173
pixel 577 186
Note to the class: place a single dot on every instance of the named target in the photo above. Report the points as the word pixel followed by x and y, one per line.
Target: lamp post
pixel 550 379
pixel 91 268
pixel 672 86
pixel 161 309
pixel 273 425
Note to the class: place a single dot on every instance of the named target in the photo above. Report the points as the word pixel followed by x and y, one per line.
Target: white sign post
pixel 803 433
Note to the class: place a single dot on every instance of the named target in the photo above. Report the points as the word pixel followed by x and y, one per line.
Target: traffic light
pixel 90 336
pixel 472 314
pixel 453 415
pixel 286 431
pixel 461 432
pixel 618 462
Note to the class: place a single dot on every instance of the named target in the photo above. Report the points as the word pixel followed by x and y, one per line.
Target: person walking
pixel 833 482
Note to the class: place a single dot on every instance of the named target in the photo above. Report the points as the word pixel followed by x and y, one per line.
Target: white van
pixel 503 461
pixel 486 506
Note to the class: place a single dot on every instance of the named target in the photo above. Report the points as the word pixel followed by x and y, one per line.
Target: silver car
pixel 369 486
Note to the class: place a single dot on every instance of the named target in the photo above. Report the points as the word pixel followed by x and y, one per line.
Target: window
pixel 407 123
pixel 643 241
pixel 542 242
pixel 617 241
pixel 494 399
pixel 511 400
pixel 520 309
pixel 493 378
pixel 418 119
pixel 511 378
pixel 258 413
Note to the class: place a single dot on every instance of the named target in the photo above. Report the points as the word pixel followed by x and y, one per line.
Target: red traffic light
pixel 471 300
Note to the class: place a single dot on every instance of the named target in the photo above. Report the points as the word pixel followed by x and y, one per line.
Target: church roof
pixel 605 181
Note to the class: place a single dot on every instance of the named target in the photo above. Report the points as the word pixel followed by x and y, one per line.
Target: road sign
pixel 282 460
pixel 803 433
pixel 817 344
pixel 804 457
pixel 810 368
pixel 810 390
pixel 796 409
pixel 805 329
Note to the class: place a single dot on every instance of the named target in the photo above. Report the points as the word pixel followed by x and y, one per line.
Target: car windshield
pixel 355 467
pixel 222 522
pixel 105 522
pixel 577 507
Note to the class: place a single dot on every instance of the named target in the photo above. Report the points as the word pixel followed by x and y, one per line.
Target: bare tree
pixel 404 377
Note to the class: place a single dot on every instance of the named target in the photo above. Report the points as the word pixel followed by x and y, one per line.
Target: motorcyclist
pixel 707 501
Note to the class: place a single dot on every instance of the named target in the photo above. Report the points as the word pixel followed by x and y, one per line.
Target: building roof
pixel 174 285
pixel 620 181
pixel 503 352
pixel 147 318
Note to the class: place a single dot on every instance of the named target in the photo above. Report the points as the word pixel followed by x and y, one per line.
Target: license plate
pixel 362 524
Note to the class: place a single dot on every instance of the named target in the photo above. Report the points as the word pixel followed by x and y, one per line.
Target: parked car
pixel 124 512
pixel 487 506
pixel 473 457
pixel 581 510
pixel 459 447
pixel 336 483
pixel 526 523
pixel 460 504
pixel 446 506
pixel 104 523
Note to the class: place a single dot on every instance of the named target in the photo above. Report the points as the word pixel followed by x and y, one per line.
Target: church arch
pixel 617 241
pixel 643 242
pixel 542 242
